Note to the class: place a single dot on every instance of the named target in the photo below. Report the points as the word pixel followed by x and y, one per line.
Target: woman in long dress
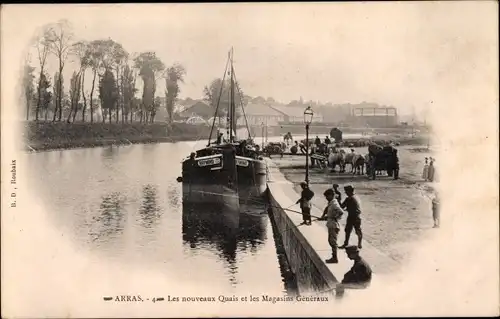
pixel 425 172
pixel 431 171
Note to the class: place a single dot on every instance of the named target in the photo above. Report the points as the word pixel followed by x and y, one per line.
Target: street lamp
pixel 262 135
pixel 308 116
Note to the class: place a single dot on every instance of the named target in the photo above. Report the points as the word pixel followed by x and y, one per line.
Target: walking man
pixel 305 203
pixel 435 211
pixel 333 214
pixel 353 207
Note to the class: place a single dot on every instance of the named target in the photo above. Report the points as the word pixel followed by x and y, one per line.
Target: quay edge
pixel 306 247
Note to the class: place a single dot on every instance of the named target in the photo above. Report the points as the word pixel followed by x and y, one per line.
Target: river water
pixel 124 205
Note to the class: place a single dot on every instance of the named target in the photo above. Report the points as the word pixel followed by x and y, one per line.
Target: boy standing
pixel 305 203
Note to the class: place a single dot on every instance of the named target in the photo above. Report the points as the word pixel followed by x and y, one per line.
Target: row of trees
pixel 113 73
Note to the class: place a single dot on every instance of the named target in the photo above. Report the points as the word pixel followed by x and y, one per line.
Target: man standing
pixel 333 214
pixel 338 194
pixel 360 275
pixel 305 203
pixel 353 207
pixel 317 141
pixel 327 140
pixel 435 211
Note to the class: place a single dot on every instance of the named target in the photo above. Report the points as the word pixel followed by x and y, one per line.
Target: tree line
pixel 113 71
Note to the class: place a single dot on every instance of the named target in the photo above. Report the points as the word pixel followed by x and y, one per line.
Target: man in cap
pixel 338 194
pixel 333 214
pixel 305 203
pixel 360 274
pixel 353 207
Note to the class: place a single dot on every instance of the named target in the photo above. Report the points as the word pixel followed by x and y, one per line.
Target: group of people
pixel 429 170
pixel 360 273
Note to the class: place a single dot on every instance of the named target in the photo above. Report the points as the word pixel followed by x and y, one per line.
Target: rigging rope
pixel 241 101
pixel 218 102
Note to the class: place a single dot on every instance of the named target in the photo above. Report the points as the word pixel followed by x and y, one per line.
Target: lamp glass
pixel 308 115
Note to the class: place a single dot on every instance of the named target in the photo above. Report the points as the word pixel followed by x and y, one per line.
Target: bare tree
pixel 60 36
pixel 120 60
pixel 74 94
pixel 42 45
pixel 79 50
pixel 28 87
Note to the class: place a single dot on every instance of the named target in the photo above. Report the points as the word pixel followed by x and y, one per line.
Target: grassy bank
pixel 48 136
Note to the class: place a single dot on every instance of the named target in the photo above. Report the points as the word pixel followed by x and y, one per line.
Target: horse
pixel 337 158
pixel 349 159
pixel 358 164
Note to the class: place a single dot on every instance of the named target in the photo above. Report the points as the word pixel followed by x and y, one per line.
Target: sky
pixel 410 55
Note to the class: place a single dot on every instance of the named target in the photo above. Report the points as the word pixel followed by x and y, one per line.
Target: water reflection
pixel 109 152
pixel 111 220
pixel 150 211
pixel 208 228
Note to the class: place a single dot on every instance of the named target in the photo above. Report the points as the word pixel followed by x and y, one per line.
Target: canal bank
pixel 43 136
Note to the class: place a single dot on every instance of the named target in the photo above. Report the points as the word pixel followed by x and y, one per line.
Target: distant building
pixel 295 114
pixel 199 108
pixel 258 113
pixel 377 117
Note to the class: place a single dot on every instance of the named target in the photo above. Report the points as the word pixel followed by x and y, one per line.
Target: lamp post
pixel 308 116
pixel 262 124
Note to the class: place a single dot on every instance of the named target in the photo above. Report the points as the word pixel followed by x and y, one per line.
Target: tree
pixel 80 50
pixel 150 69
pixel 213 92
pixel 28 87
pixel 74 94
pixel 128 91
pixel 59 36
pixel 58 93
pixel 42 45
pixel 120 57
pixel 174 75
pixel 99 58
pixel 45 96
pixel 108 93
pixel 156 107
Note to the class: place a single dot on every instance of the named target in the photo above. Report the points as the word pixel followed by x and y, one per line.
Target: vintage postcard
pixel 250 159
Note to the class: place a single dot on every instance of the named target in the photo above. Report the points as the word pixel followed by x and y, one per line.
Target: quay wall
pixel 307 247
pixel 311 273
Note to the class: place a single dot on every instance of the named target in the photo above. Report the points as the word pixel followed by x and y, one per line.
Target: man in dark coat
pixel 328 141
pixel 305 203
pixel 317 141
pixel 353 207
pixel 395 163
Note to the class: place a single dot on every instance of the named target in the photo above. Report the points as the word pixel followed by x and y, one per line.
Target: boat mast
pixel 231 101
